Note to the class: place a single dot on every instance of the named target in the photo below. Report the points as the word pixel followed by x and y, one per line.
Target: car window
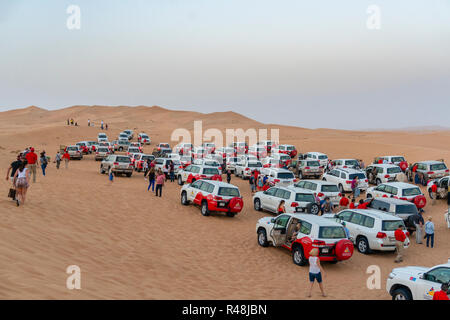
pixel 379 205
pixel 123 159
pixel 306 227
pixel 439 166
pixel 283 194
pixel 394 170
pixel 197 184
pixel 345 216
pixel 390 225
pixel 281 222
pixel 381 188
pixel 409 192
pixel 329 188
pixel 271 191
pixel 228 192
pixel 195 169
pixel 368 222
pixel 356 218
pixel 439 275
pixel 285 175
pixel 361 176
pixel 304 197
pixel 343 175
pixel 332 232
pixel 210 171
pixel 406 208
pixel 301 184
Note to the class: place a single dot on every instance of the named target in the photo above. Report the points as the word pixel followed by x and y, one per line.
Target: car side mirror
pixel 272 220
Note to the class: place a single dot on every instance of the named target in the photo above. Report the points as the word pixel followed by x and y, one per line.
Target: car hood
pixel 265 220
pixel 413 271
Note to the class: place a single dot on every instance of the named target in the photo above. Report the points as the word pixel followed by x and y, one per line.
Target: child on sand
pixel 111 176
pixel 315 271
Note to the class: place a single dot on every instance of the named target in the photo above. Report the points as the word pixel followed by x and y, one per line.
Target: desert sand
pixel 131 245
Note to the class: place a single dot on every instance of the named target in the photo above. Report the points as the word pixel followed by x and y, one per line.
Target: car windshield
pixel 144 136
pixel 394 170
pixel 123 159
pixel 185 159
pixel 361 176
pixel 254 165
pixel 406 208
pixel 176 162
pixel 304 197
pixel 387 225
pixel 133 150
pixel 102 149
pixel 210 171
pixel 351 163
pixel 439 166
pixel 212 163
pixel 313 164
pixel 164 145
pixel 81 144
pixel 323 157
pixel 148 158
pixel 332 232
pixel 284 157
pixel 228 192
pixel 411 192
pixel 329 188
pixel 72 148
pixel 285 175
pixel 397 159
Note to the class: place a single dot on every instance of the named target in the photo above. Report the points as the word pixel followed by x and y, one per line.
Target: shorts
pixel 21 183
pixel 253 187
pixel 315 276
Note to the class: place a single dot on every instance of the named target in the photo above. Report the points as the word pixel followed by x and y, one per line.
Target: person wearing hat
pixel 31 161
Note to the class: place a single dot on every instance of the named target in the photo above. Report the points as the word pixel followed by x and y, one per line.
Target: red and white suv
pixel 196 172
pixel 213 196
pixel 288 149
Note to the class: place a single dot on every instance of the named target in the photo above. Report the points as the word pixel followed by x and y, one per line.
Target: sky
pixel 312 64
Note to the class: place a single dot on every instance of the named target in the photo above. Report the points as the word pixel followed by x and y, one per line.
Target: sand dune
pixel 131 245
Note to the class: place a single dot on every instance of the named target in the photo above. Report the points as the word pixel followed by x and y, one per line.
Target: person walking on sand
pixel 43 161
pixel 151 179
pixel 355 188
pixel 172 171
pixel 228 176
pixel 315 271
pixel 160 178
pixel 400 238
pixel 66 157
pixel 58 159
pixel 434 189
pixel 31 161
pixel 429 232
pixel 111 176
pixel 419 223
pixel 106 126
pixel 22 182
pixel 101 126
pixel 251 181
pixel 89 122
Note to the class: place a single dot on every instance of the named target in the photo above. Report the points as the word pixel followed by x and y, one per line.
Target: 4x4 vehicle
pixel 322 189
pixel 397 160
pixel 319 156
pixel 123 145
pixel 430 169
pixel 132 150
pixel 399 190
pixel 239 147
pixel 117 164
pixel 196 172
pixel 230 163
pixel 417 283
pixel 101 153
pixel 74 152
pixel 284 159
pixel 288 149
pixel 258 151
pixel 92 145
pixel 345 163
pixel 164 147
pixel 371 229
pixel 269 162
pixel 315 232
pixel 212 195
pixel 139 164
pixel 400 208
pixel 123 136
pixel 209 147
pixel 279 176
pixel 309 168
pixel 267 144
pixel 102 135
pixel 343 178
pixel 296 200
pixel 442 185
pixel 245 169
pixel 225 152
pixel 129 133
pixel 84 147
pixel 184 148
pixel 380 173
pixel 144 138
pixel 209 163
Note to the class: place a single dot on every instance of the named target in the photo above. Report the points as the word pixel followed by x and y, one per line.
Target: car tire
pixel 313 208
pixel 401 294
pixel 129 174
pixel 101 170
pixel 257 205
pixel 341 189
pixel 120 149
pixel 204 209
pixel 184 200
pixel 298 256
pixel 431 194
pixel 369 196
pixel 262 238
pixel 231 214
pixel 180 181
pixel 363 245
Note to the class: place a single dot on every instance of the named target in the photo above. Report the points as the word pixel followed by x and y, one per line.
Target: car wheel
pixel 378 182
pixel 257 205
pixel 180 181
pixel 297 256
pixel 101 170
pixel 341 189
pixel 184 200
pixel 314 209
pixel 401 294
pixel 262 238
pixel 431 194
pixel 363 245
pixel 369 196
pixel 204 209
pixel 120 149
pixel 230 214
pixel 129 174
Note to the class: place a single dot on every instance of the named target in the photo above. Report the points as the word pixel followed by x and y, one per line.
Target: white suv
pixel 322 189
pixel 231 162
pixel 296 200
pixel 343 178
pixel 245 169
pixel 380 173
pixel 417 283
pixel 279 177
pixel 345 163
pixel 315 232
pixel 196 172
pixel 213 196
pixel 430 169
pixel 321 157
pixel 371 229
pixel 399 190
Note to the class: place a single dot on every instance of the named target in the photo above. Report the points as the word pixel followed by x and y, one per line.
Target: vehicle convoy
pixel 399 190
pixel 417 283
pixel 196 172
pixel 296 200
pixel 380 173
pixel 322 189
pixel 315 232
pixel 144 138
pixel 371 229
pixel 74 152
pixel 430 170
pixel 308 168
pixel 442 187
pixel 246 168
pixel 118 164
pixel 212 196
pixel 343 178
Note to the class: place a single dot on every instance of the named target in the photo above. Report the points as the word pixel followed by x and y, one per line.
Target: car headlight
pixel 391 275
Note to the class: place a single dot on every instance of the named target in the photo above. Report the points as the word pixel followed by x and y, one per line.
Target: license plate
pixel 391 238
pixel 325 250
pixel 298 209
pixel 222 204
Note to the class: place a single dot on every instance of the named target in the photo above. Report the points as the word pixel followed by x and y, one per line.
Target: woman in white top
pixel 315 271
pixel 21 181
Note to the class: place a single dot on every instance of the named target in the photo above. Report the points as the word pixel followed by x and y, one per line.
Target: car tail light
pixel 202 176
pixel 276 180
pixel 447 170
pixel 431 172
pixel 320 194
pixel 403 198
pixel 318 243
pixel 367 180
pixel 345 167
pixel 247 169
pixel 218 198
pixel 116 163
pixel 294 204
pixel 381 235
pixel 348 182
pixel 387 176
pixel 306 168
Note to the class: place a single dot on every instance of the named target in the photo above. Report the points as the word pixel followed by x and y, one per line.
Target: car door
pixel 379 191
pixel 431 281
pixel 193 189
pixel 346 217
pixel 278 232
pixel 267 199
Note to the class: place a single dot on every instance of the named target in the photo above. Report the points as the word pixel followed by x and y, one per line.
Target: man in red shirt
pixel 343 203
pixel 362 204
pixel 352 204
pixel 442 294
pixel 31 160
pixel 400 238
pixel 66 158
pixel 434 189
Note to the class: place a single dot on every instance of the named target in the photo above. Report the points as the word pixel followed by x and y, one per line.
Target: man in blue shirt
pixel 429 232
